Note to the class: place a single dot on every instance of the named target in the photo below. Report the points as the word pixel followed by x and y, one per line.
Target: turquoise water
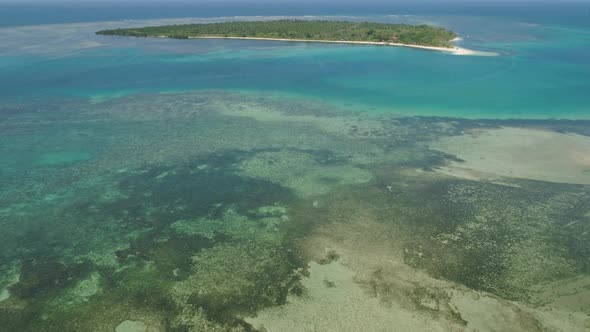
pixel 541 72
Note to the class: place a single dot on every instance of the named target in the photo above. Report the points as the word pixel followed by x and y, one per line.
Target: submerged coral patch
pixel 41 277
pixel 302 172
pixel 166 194
pixel 236 279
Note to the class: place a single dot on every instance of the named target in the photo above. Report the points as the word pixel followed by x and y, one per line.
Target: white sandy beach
pixel 453 50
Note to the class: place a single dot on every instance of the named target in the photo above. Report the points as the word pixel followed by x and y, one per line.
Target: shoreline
pixel 454 50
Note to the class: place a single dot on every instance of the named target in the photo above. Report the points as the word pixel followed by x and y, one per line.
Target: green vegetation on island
pixel 424 35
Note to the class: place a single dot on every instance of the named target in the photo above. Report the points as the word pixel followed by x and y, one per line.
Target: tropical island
pixel 417 36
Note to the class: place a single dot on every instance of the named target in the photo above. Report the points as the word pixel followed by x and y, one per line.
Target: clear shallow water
pixel 164 185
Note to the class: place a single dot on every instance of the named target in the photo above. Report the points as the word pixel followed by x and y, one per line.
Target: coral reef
pixel 232 212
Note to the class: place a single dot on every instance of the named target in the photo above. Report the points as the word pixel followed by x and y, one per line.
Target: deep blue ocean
pixel 576 12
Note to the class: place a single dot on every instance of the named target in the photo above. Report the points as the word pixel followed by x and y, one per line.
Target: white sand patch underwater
pixel 524 153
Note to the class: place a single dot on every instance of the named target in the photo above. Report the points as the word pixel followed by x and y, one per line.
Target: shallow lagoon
pixel 158 185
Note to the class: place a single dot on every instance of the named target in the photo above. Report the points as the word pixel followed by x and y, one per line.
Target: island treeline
pixel 424 35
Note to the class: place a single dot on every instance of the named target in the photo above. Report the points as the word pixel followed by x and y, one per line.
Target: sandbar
pixel 525 153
